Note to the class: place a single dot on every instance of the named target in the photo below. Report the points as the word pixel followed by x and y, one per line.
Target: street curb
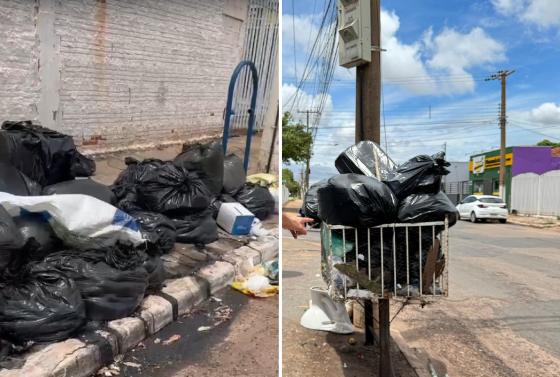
pixel 537 226
pixel 74 358
pixel 415 360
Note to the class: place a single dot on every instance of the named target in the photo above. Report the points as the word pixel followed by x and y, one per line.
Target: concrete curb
pixel 74 358
pixel 415 359
pixel 538 226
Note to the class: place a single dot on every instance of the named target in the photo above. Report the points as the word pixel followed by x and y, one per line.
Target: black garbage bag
pixel 172 190
pixel 418 208
pixel 15 182
pixel 206 158
pixel 256 199
pixel 365 158
pixel 356 200
pixel 310 206
pixel 158 230
pixel 126 183
pixel 234 174
pixel 108 292
pixel 41 306
pixel 82 186
pixel 80 165
pixel 216 203
pixel 10 238
pixel 33 226
pixel 156 273
pixel 197 228
pixel 44 155
pixel 421 174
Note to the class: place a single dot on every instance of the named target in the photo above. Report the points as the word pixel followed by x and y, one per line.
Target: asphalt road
pixel 308 353
pixel 502 317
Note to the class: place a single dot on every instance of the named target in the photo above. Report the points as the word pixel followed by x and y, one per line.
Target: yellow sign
pixel 479 164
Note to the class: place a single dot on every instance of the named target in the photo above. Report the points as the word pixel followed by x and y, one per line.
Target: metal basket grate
pixel 401 260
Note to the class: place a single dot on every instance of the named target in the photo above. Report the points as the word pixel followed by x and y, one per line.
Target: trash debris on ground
pixel 82 186
pixel 132 364
pixel 45 156
pixel 222 314
pixel 263 179
pixel 204 328
pixel 81 221
pixel 172 339
pixel 41 306
pixel 256 199
pixel 206 158
pixel 157 341
pixel 256 284
pixel 235 219
pixel 257 229
pixel 271 268
pixel 234 175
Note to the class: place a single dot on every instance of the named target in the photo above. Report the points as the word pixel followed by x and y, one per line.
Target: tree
pixel 548 143
pixel 296 141
pixel 288 180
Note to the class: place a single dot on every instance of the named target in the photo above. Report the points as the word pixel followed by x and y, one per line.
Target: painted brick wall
pixel 19 77
pixel 124 73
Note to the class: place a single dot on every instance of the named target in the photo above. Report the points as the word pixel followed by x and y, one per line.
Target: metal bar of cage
pixel 407 286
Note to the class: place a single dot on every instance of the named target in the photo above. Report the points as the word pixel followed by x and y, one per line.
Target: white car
pixel 482 207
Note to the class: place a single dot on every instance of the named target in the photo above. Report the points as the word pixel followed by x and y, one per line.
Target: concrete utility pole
pixel 305 185
pixel 502 76
pixel 368 84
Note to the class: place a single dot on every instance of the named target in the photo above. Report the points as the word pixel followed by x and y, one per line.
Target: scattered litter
pixel 215 299
pixel 352 341
pixel 157 341
pixel 172 339
pixel 132 365
pixel 256 285
pixel 345 365
pixel 222 314
pixel 204 328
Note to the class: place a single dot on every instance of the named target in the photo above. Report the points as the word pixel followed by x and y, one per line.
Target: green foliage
pixel 296 141
pixel 548 143
pixel 290 182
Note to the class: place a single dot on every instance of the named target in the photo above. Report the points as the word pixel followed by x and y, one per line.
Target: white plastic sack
pixel 81 221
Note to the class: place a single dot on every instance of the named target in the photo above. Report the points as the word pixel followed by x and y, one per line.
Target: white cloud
pixel 547 113
pixel 543 13
pixel 304 101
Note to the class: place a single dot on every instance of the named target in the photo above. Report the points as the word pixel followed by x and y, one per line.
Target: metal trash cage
pixel 384 261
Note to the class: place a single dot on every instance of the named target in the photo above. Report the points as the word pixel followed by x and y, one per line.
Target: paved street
pixel 308 353
pixel 502 317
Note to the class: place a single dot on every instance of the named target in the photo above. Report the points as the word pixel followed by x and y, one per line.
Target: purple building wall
pixel 537 160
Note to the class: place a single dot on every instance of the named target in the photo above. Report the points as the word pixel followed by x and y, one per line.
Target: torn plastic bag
pixel 158 230
pixel 15 182
pixel 256 199
pixel 172 190
pixel 310 206
pixel 80 221
pixel 44 155
pixel 365 158
pixel 421 174
pixel 33 226
pixel 108 292
pixel 197 228
pixel 10 238
pixel 156 273
pixel 41 306
pixel 356 200
pixel 206 158
pixel 234 174
pixel 417 208
pixel 82 186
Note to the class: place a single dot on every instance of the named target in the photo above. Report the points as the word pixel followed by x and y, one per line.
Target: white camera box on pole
pixel 354 44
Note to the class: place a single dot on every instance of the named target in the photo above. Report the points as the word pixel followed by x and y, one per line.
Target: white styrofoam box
pixel 235 219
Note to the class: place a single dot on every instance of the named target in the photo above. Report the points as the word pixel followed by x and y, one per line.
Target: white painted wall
pixel 120 74
pixel 533 194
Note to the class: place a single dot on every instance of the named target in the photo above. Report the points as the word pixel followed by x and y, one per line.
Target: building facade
pixel 532 183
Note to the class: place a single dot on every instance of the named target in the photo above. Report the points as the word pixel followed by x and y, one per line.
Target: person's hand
pixel 296 225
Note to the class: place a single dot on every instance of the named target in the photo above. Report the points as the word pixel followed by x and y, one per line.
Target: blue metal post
pixel 230 112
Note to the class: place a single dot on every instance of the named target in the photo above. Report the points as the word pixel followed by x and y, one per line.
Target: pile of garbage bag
pixel 73 250
pixel 370 191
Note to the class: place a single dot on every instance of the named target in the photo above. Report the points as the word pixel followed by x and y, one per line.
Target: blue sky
pixel 438 54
